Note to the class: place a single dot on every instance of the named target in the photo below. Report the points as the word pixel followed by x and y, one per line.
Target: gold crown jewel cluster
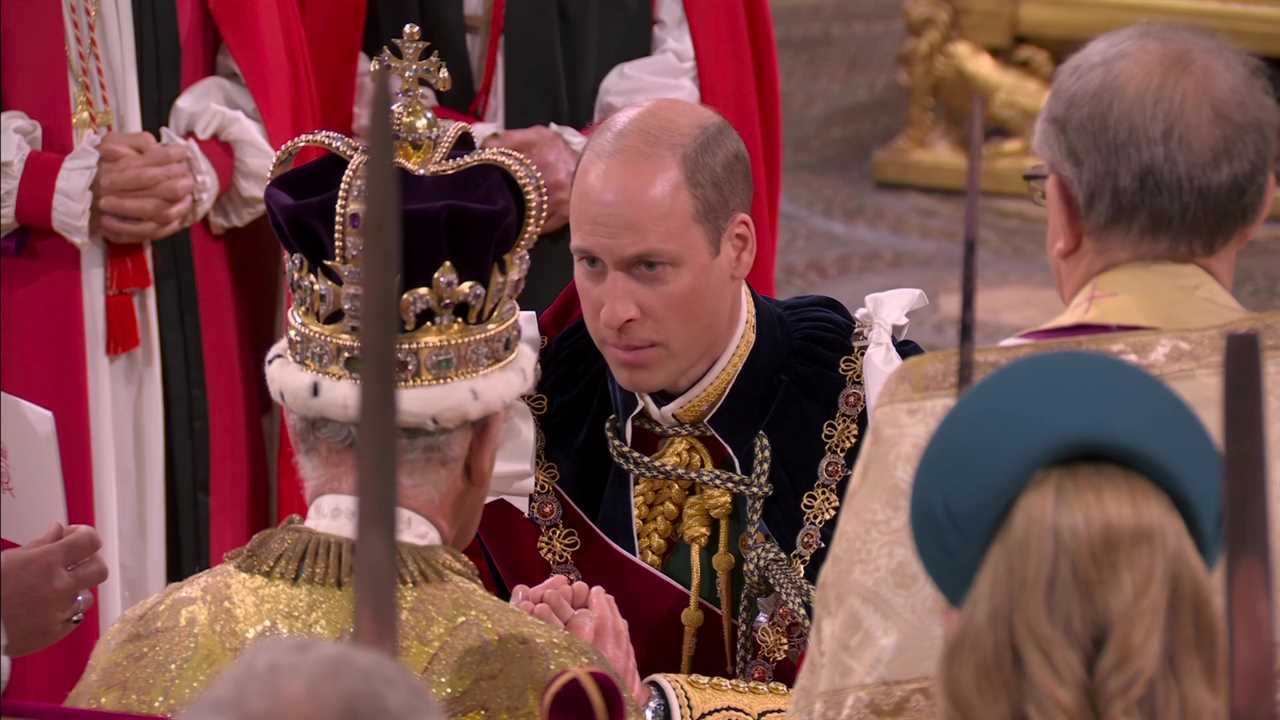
pixel 452 329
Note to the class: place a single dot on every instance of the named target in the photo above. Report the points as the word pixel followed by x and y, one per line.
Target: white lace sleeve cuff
pixel 886 313
pixel 218 108
pixel 206 178
pixel 574 139
pixel 73 193
pixel 19 135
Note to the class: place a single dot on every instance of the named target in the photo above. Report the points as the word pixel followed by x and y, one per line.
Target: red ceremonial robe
pixel 41 308
pixel 41 305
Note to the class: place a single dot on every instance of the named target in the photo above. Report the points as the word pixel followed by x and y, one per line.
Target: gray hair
pixel 284 678
pixel 324 451
pixel 1165 136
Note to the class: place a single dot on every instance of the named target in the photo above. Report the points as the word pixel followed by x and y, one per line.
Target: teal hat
pixel 1045 410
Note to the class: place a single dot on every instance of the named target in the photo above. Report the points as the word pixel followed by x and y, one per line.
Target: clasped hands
pixel 591 615
pixel 142 190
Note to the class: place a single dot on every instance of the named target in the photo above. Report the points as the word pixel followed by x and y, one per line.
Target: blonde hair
pixel 1092 602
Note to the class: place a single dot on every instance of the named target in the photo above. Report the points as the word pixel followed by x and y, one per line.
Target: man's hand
pixel 591 615
pixel 142 190
pixel 45 583
pixel 555 160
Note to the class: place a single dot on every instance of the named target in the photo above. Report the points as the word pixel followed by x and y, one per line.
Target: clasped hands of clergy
pixel 142 190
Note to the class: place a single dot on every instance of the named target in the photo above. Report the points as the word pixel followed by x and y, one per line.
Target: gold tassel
pixel 720 506
pixel 723 563
pixel 695 528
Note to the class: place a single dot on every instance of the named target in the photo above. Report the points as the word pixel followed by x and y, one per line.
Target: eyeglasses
pixel 1036 177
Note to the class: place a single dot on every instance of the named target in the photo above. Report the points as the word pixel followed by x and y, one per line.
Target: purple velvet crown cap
pixel 583 694
pixel 470 218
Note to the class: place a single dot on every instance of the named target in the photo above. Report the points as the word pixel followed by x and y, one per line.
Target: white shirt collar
pixel 336 515
pixel 666 415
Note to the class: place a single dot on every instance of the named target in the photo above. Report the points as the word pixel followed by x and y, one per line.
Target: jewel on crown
pixel 451 329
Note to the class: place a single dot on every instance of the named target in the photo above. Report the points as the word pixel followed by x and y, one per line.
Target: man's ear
pixel 738 243
pixel 1062 204
pixel 486 435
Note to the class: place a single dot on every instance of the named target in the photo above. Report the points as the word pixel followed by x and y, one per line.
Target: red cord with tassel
pixel 127 273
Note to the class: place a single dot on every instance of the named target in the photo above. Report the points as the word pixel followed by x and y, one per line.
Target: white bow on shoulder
pixel 886 314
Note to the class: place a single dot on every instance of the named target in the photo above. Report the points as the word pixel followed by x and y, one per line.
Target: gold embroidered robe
pixel 479 657
pixel 877 635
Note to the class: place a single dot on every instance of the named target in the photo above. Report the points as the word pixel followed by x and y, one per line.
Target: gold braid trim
pixel 706 698
pixel 298 554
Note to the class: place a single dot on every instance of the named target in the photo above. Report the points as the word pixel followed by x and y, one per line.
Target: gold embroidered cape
pixel 877 634
pixel 479 657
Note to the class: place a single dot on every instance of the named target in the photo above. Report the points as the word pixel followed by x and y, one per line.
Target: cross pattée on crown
pixel 411 67
pixel 414 126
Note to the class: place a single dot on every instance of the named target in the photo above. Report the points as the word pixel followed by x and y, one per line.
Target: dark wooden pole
pixel 1249 608
pixel 969 279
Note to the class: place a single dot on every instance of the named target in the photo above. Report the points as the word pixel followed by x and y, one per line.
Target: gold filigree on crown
pixel 451 330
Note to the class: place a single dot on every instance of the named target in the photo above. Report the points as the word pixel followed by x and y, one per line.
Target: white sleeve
pixel 73 191
pixel 19 135
pixel 220 107
pixel 73 188
pixel 363 98
pixel 669 71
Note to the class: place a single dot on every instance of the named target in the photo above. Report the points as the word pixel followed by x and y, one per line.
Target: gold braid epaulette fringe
pixel 303 556
pixel 706 698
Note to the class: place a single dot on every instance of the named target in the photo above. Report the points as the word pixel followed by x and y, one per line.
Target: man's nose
pixel 618 306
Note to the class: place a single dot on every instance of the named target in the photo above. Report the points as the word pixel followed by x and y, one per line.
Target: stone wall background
pixel 841 235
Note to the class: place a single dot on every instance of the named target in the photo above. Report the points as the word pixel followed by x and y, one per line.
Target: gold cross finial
pixel 414 127
pixel 411 67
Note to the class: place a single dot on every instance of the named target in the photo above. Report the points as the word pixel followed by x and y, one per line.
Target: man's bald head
pixel 712 158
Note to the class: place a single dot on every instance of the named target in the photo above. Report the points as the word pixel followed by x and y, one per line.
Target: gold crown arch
pixel 451 330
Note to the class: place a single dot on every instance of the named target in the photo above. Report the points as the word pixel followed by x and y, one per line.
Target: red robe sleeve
pixel 299 62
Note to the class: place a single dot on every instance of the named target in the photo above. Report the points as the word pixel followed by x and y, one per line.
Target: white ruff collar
pixel 336 515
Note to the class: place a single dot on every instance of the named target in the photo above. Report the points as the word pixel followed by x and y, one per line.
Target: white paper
pixel 32 496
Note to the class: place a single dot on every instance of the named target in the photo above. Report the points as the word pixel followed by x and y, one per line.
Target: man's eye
pixel 648 266
pixel 590 263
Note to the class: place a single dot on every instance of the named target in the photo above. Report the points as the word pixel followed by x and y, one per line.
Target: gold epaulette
pixel 699 696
